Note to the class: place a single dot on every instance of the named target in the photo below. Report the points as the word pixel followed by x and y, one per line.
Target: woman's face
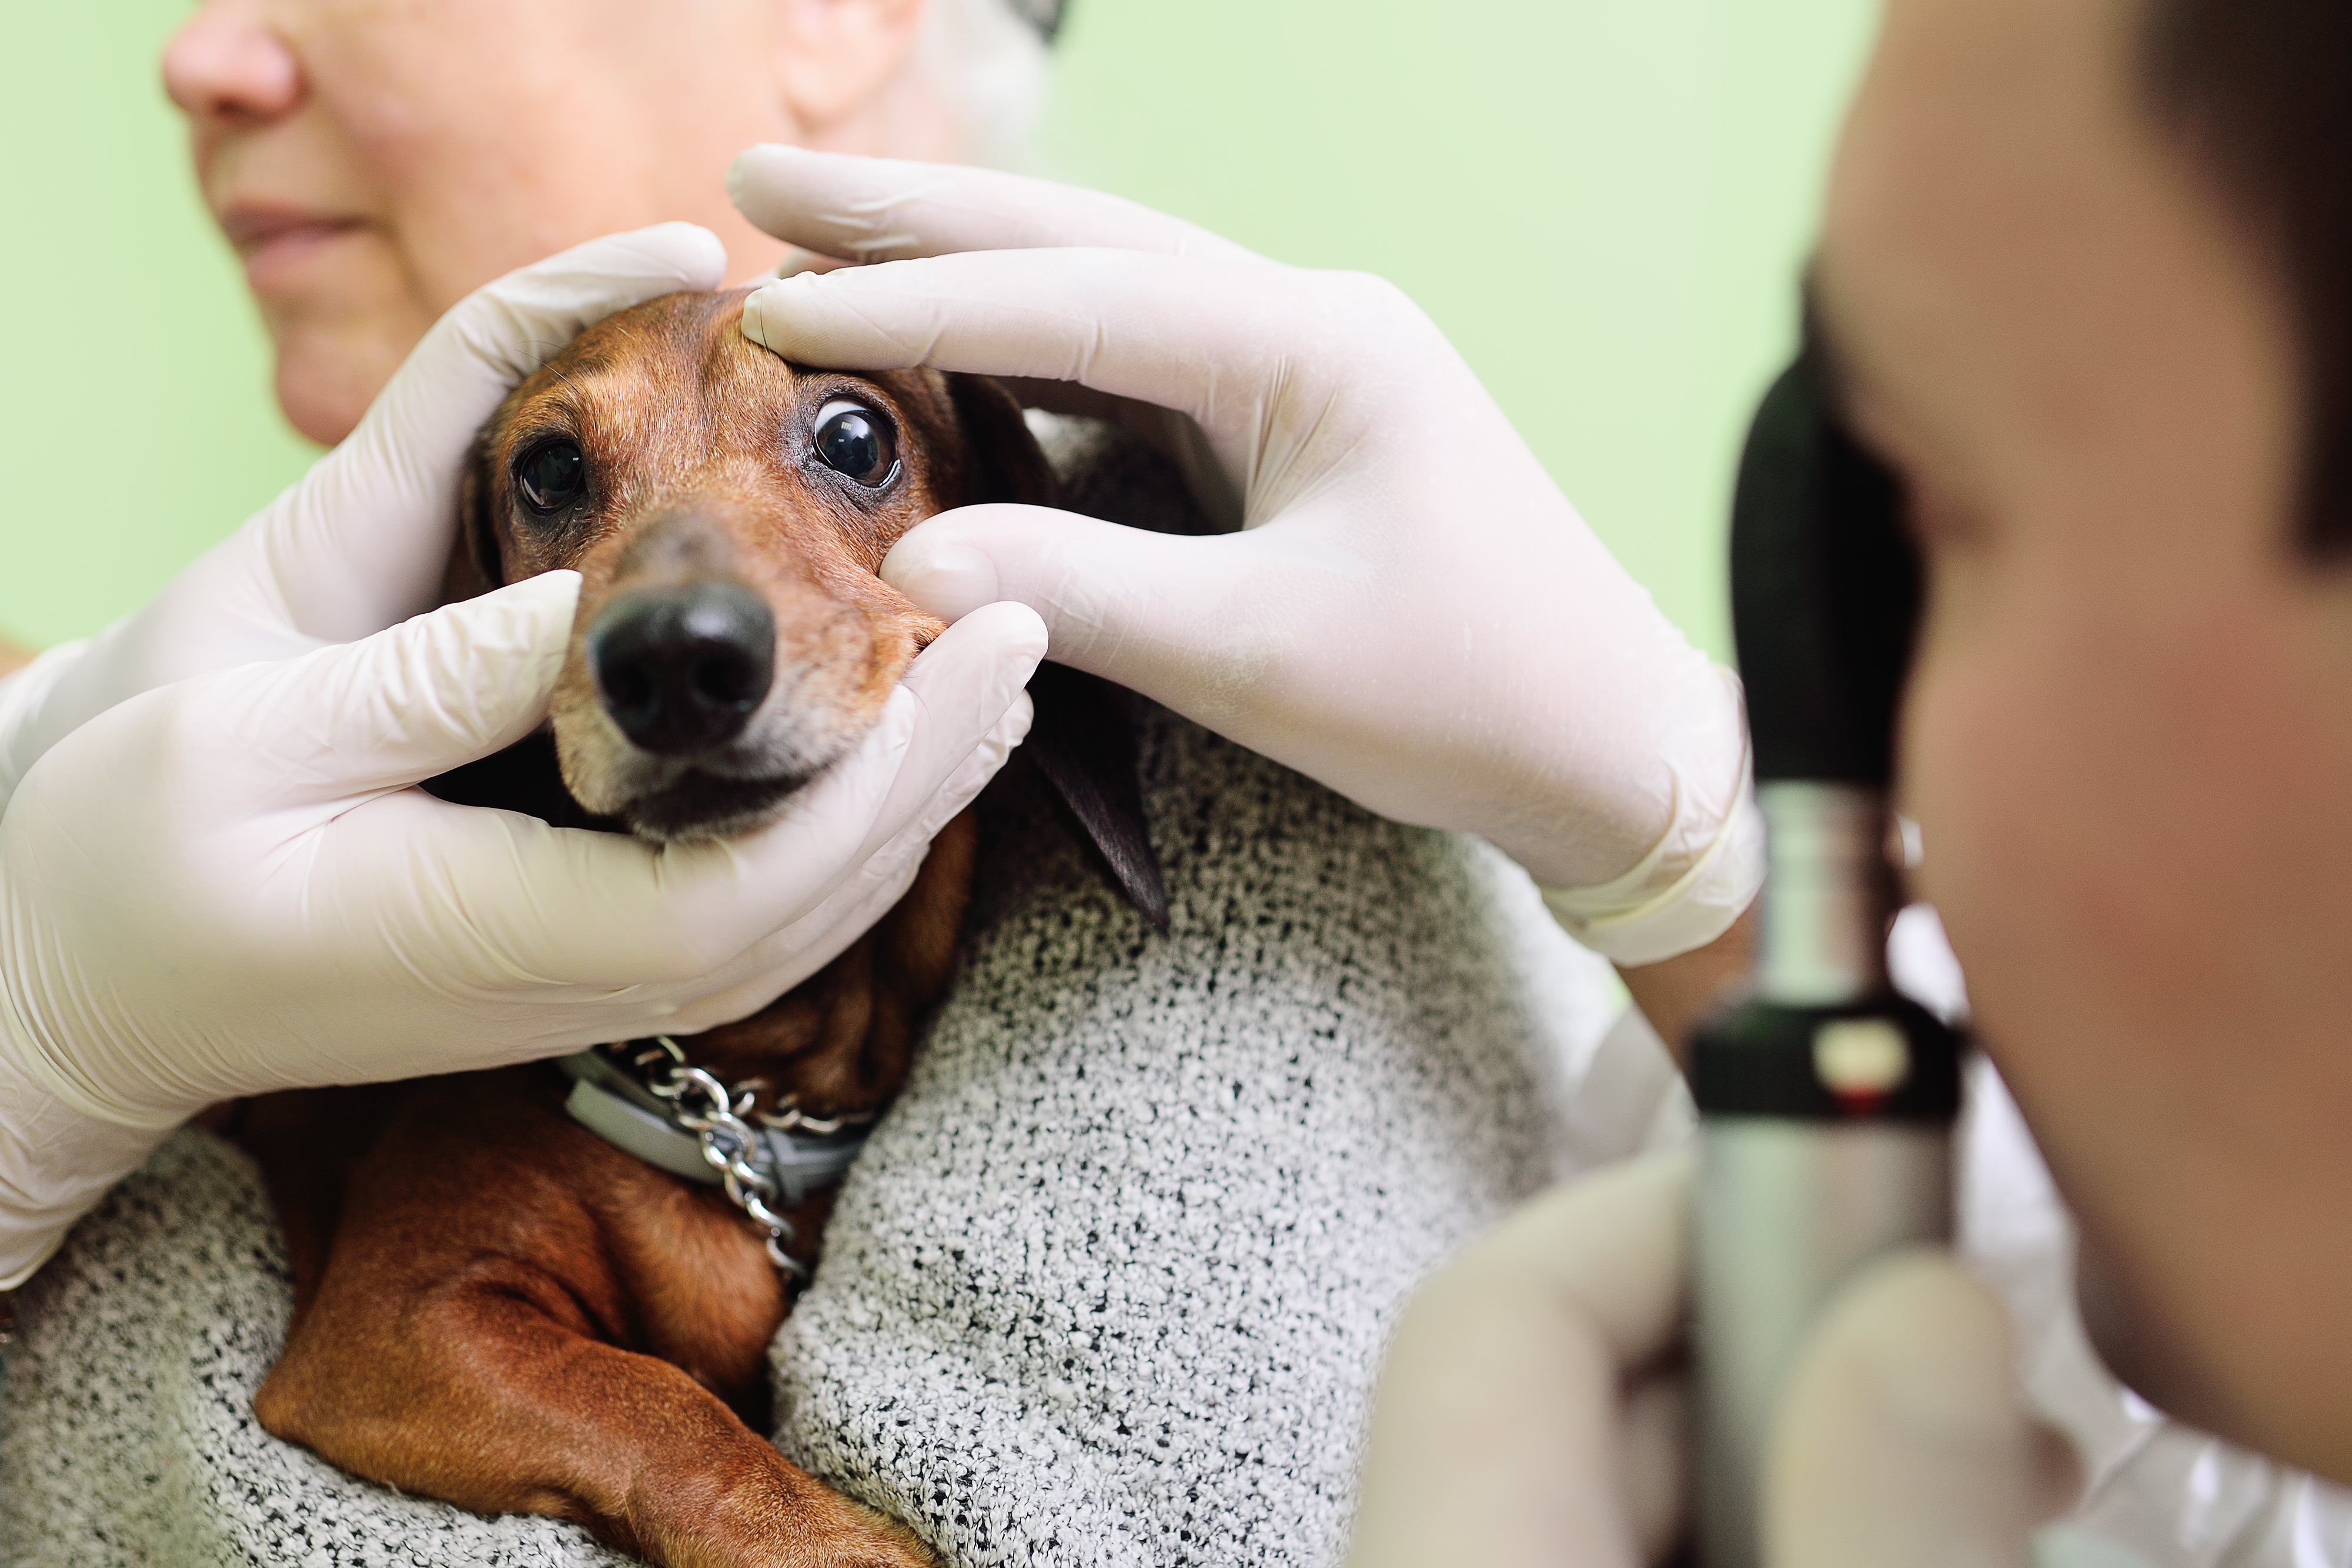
pixel 2128 738
pixel 373 160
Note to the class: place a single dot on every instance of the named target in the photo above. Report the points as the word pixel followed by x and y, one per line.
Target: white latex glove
pixel 226 886
pixel 1412 613
pixel 1905 1437
pixel 362 540
pixel 1532 1413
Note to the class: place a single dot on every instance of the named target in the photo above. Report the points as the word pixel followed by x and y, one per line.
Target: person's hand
pixel 360 542
pixel 1412 613
pixel 1904 1437
pixel 228 887
pixel 1532 1411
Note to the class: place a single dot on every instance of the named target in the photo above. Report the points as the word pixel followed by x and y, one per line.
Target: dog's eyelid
pixel 524 447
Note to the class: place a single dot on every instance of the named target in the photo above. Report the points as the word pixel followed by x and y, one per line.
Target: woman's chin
pixel 328 374
pixel 341 324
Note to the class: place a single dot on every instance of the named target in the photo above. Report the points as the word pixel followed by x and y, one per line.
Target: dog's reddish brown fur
pixel 492 1305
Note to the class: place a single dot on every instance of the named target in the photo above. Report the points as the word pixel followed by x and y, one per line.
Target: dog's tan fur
pixel 492 1305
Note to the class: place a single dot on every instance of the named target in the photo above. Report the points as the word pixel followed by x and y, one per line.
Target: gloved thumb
pixel 1135 607
pixel 1905 1437
pixel 389 711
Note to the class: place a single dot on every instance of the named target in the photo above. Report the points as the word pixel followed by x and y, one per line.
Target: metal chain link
pixel 715 1114
pixel 788 1116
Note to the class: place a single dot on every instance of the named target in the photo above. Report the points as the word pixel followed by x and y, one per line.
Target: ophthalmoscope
pixel 1826 1102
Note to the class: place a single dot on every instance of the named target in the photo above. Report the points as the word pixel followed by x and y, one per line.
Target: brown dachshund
pixel 494 1304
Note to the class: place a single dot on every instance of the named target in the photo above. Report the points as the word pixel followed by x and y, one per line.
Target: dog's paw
pixel 776 1516
pixel 892 1545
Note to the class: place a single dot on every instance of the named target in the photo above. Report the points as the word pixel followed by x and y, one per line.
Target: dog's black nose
pixel 680 669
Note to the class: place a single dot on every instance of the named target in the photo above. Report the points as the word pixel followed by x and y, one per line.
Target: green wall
pixel 1604 201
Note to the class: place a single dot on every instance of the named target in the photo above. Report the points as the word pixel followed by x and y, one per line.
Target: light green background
pixel 1604 201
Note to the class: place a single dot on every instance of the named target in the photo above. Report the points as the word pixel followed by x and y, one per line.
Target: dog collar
pixel 680 1119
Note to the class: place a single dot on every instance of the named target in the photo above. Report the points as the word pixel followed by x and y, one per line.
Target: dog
pixel 494 1304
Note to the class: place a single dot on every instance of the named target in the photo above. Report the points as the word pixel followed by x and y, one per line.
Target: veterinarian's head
pixel 373 160
pixel 2085 277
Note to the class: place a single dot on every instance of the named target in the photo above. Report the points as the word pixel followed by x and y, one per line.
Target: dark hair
pixel 2261 93
pixel 1045 15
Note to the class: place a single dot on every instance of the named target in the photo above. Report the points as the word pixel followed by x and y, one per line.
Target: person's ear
pixel 834 55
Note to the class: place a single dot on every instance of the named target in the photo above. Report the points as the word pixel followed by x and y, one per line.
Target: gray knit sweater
pixel 1109 1284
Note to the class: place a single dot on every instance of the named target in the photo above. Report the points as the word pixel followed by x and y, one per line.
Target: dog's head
pixel 727 512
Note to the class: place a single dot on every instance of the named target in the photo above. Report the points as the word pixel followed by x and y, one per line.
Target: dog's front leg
pixel 464 1341
pixel 484 1395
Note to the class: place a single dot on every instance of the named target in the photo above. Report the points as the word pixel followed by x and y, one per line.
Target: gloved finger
pixel 1502 1432
pixel 958 685
pixel 1148 610
pixel 1654 1441
pixel 775 967
pixel 584 908
pixel 388 711
pixel 1614 1249
pixel 964 708
pixel 771 967
pixel 885 209
pixel 368 536
pixel 1904 1435
pixel 1211 339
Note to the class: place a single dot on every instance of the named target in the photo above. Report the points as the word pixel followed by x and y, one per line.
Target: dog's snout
pixel 680 668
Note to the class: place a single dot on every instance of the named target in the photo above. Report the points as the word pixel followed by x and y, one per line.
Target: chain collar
pixel 647 1098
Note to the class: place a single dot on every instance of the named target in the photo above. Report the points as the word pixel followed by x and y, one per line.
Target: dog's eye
pixel 856 442
pixel 551 475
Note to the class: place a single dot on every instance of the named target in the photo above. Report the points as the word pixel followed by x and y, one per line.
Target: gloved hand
pixel 1412 613
pixel 1531 1412
pixel 361 540
pixel 225 886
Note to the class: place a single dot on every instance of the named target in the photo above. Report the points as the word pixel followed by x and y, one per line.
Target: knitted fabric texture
pixel 1109 1286
pixel 1169 1191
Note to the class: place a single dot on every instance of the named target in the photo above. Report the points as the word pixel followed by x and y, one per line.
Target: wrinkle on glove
pixel 1697 879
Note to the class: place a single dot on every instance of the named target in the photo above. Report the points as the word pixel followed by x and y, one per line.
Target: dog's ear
pixel 1083 738
pixel 1007 462
pixel 474 565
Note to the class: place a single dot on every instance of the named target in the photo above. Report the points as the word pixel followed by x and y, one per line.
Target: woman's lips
pixel 277 242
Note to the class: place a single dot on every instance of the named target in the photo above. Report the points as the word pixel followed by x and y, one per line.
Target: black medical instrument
pixel 1826 1101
